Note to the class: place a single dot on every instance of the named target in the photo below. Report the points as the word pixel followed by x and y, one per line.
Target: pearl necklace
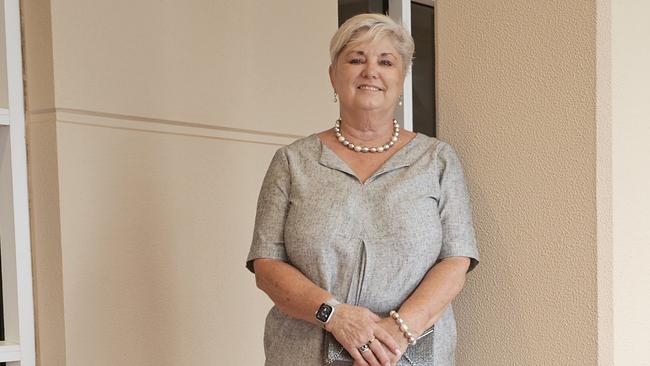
pixel 365 149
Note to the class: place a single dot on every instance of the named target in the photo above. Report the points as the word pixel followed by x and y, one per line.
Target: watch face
pixel 324 312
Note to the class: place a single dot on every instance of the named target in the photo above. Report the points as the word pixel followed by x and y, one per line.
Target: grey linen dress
pixel 368 244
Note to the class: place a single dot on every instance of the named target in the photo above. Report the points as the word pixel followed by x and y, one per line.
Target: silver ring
pixel 364 348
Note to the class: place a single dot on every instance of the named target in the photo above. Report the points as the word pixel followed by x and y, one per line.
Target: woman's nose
pixel 370 71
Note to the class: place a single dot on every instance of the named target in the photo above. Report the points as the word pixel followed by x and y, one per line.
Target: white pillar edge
pixel 22 241
pixel 400 11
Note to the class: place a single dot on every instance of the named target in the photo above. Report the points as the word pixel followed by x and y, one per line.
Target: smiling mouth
pixel 369 87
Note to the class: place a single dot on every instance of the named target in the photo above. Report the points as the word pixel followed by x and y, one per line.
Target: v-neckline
pixel 390 164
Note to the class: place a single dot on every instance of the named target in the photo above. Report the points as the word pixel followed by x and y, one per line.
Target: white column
pixel 400 11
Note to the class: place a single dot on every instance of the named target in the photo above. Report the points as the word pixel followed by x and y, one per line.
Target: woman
pixel 363 233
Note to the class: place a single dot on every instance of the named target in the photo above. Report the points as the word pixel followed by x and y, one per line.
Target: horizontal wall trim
pixel 147 124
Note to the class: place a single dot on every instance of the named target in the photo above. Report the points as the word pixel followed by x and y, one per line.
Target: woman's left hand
pixel 389 325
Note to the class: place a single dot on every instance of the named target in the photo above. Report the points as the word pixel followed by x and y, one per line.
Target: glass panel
pixel 350 8
pixel 6 219
pixel 424 105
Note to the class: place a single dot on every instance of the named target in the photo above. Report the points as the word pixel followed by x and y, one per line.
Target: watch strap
pixel 333 302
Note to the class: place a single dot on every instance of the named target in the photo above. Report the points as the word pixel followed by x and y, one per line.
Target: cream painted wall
pixel 605 247
pixel 155 227
pixel 517 97
pixel 151 125
pixel 240 64
pixel 631 179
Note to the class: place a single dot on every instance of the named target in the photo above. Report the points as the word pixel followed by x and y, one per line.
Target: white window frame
pixel 19 345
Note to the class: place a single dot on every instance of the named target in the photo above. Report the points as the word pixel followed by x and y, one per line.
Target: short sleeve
pixel 272 207
pixel 455 210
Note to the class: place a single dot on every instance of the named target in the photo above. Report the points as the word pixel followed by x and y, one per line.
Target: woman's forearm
pixel 296 296
pixel 293 293
pixel 436 291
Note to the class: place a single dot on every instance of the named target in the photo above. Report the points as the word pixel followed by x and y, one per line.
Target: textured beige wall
pixel 517 97
pixel 166 116
pixel 631 178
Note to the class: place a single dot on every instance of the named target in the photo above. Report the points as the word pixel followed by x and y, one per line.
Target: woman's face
pixel 368 76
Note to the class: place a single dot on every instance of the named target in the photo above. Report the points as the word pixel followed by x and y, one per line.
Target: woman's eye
pixel 356 61
pixel 386 63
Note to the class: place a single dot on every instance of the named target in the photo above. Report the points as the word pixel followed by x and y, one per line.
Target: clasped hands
pixel 356 326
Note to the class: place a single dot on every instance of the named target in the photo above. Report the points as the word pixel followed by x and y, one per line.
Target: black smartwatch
pixel 326 310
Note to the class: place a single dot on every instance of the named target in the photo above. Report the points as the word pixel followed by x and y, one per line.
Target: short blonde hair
pixel 369 27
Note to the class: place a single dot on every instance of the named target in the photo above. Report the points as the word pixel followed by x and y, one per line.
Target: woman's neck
pixel 370 128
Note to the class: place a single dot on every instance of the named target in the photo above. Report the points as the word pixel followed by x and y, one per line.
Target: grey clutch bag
pixel 419 355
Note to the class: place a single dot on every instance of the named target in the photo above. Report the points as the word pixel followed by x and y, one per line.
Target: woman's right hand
pixel 354 326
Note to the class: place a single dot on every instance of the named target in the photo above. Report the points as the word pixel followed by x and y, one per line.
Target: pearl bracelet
pixel 403 327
